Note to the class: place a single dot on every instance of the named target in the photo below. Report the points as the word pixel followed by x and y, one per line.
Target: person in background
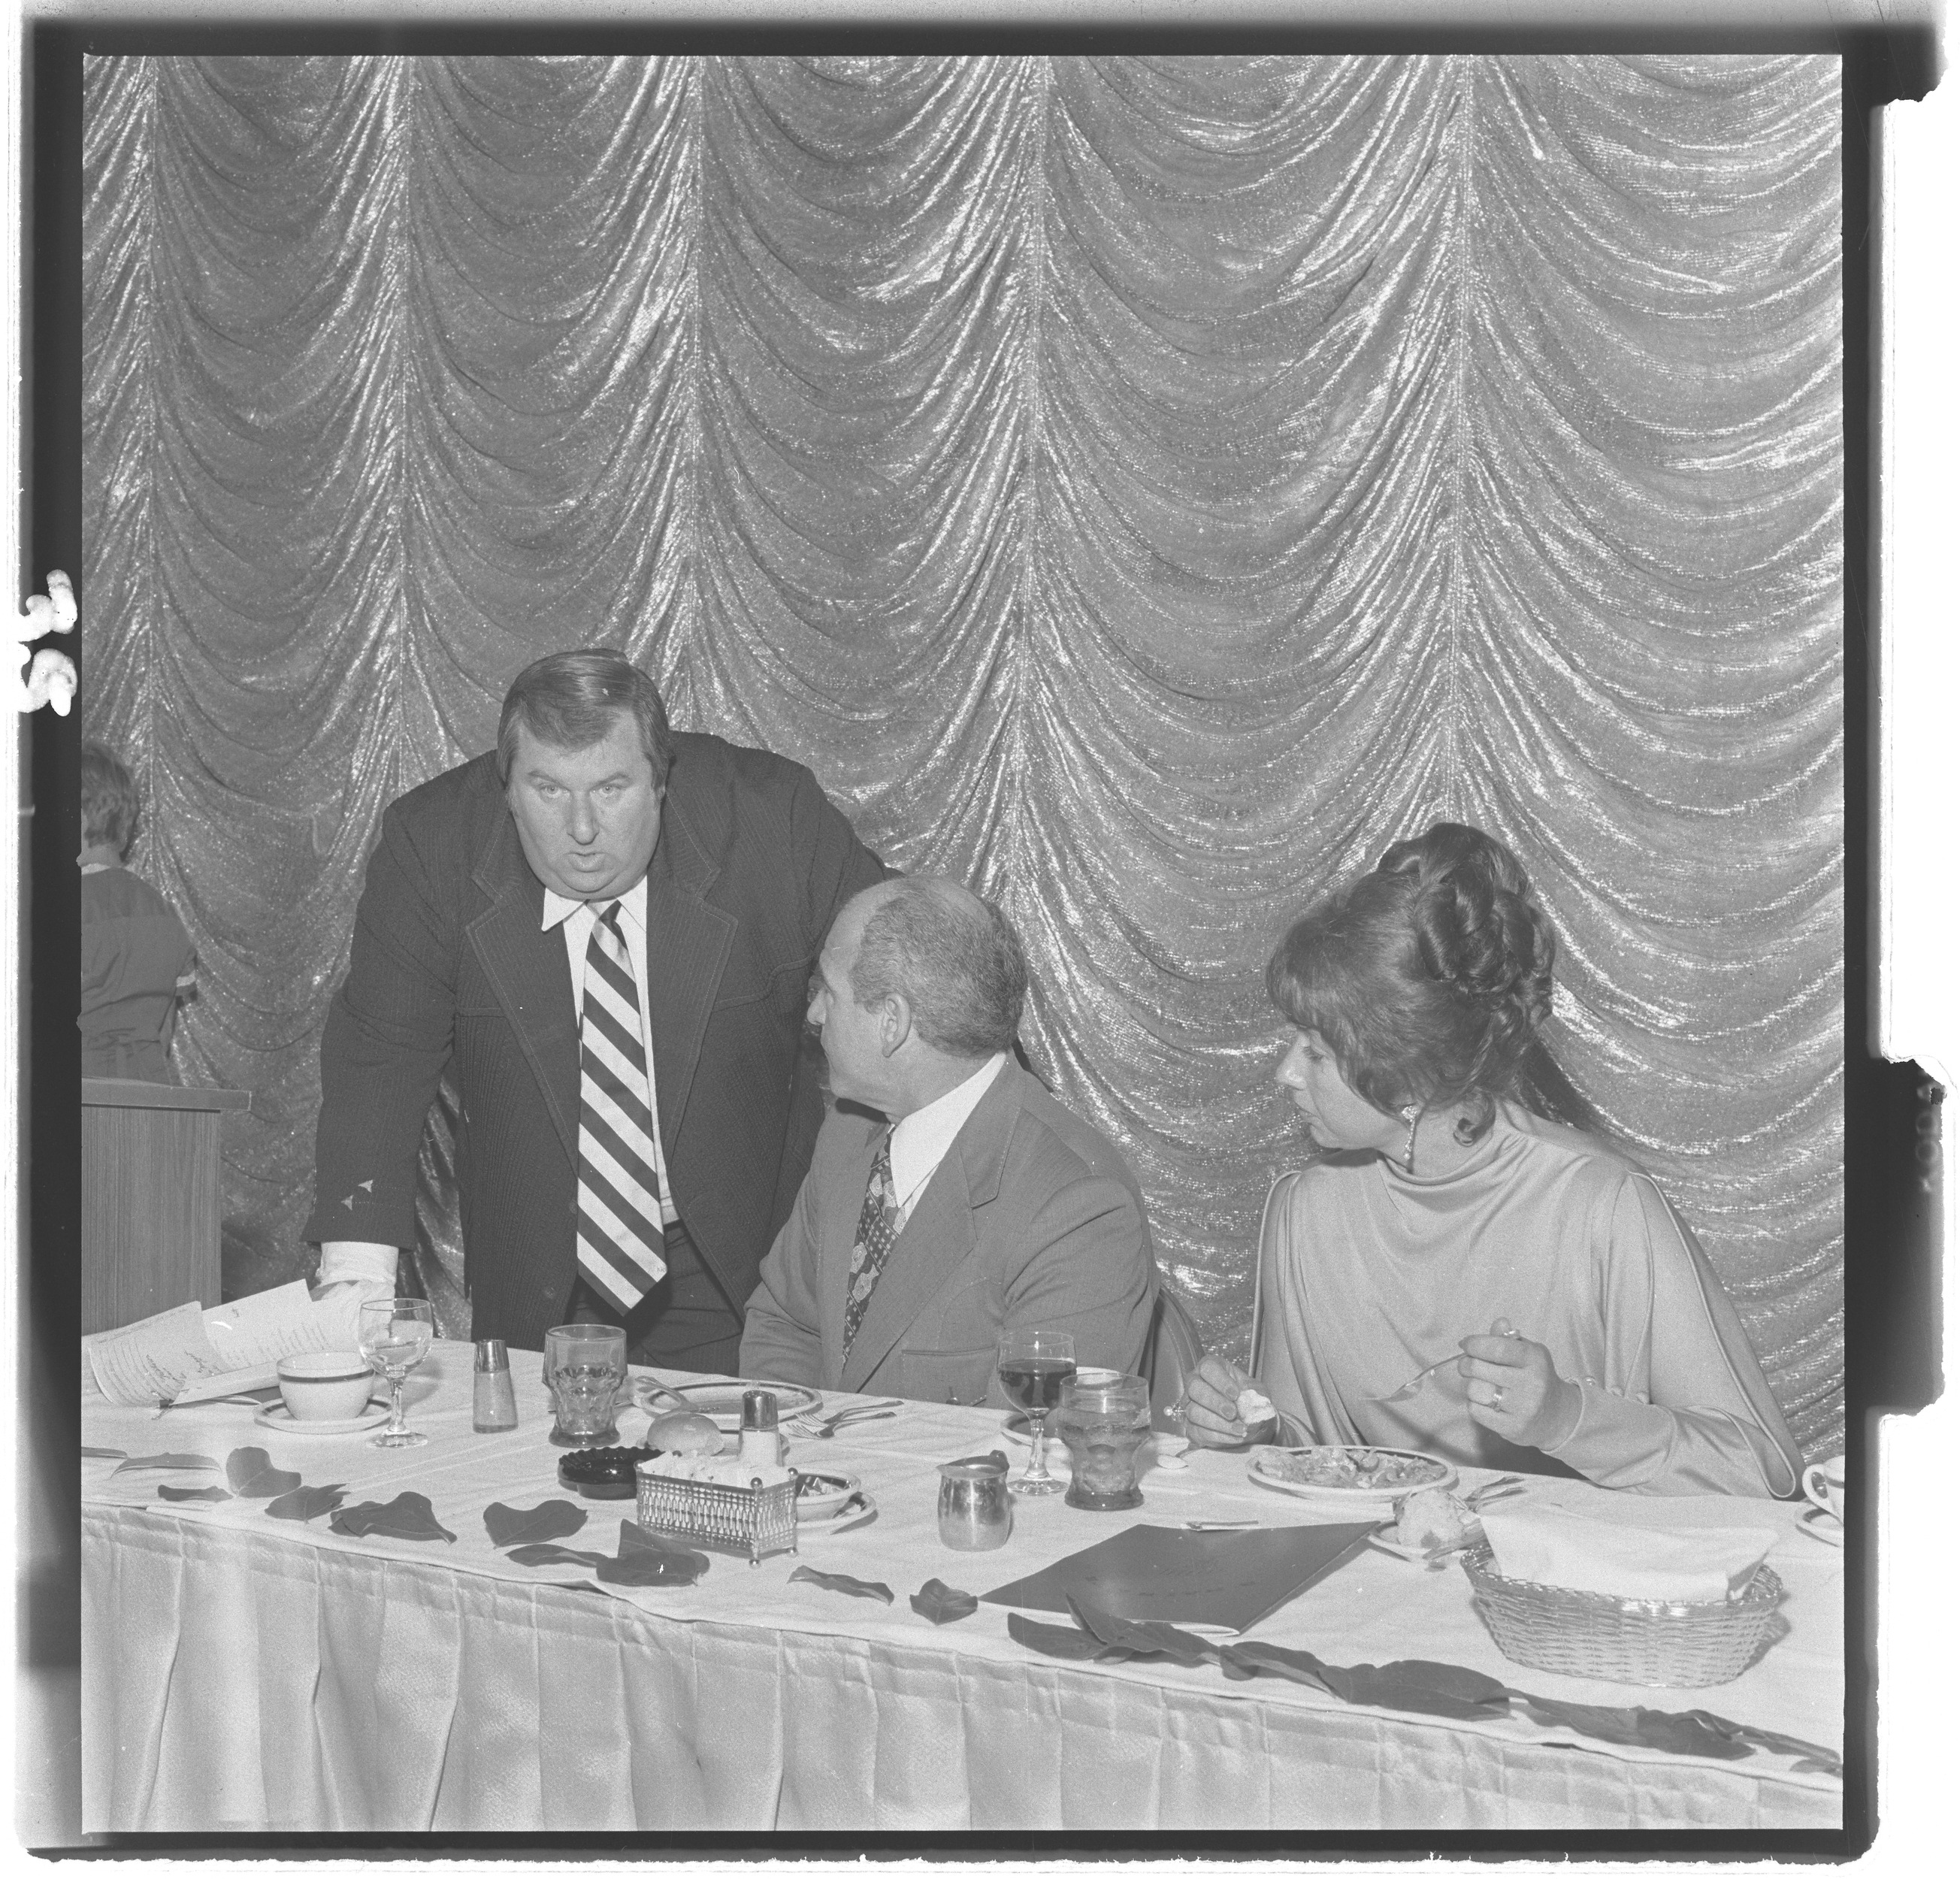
pixel 602 929
pixel 1443 1215
pixel 137 962
pixel 973 1203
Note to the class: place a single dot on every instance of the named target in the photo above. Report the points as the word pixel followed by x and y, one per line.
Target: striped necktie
pixel 621 1248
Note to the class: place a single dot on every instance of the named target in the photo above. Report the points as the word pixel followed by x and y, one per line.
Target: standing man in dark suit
pixel 605 929
pixel 978 1204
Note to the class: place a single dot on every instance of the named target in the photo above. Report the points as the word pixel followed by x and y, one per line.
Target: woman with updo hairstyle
pixel 1450 1208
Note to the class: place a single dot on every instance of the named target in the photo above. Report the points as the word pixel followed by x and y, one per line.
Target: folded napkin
pixel 1551 1547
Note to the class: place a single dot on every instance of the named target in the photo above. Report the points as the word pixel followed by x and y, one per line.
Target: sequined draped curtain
pixel 1145 488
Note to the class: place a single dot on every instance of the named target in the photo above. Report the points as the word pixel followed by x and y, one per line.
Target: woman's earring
pixel 1412 1115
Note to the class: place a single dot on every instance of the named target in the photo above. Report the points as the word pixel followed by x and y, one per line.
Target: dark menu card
pixel 1220 1581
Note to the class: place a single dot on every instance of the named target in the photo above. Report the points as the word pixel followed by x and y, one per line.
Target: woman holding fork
pixel 1445 1200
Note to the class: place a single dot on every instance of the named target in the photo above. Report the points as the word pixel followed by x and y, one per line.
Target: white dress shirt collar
pixel 920 1140
pixel 632 905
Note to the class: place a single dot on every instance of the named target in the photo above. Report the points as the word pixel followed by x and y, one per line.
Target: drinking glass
pixel 585 1370
pixel 1104 1418
pixel 1033 1366
pixel 394 1335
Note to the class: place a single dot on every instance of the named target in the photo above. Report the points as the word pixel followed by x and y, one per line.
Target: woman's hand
pixel 1211 1410
pixel 1514 1389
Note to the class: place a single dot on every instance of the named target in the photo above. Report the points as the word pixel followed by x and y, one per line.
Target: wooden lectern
pixel 151 1237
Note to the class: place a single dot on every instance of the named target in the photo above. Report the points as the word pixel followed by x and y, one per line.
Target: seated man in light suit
pixel 979 1205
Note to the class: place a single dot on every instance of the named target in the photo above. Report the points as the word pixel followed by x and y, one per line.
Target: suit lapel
pixel 941 1233
pixel 526 968
pixel 687 948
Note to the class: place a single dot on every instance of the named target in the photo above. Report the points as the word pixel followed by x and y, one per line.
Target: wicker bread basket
pixel 1650 1641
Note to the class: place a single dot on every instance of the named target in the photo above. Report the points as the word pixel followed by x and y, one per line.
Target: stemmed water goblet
pixel 1033 1366
pixel 394 1335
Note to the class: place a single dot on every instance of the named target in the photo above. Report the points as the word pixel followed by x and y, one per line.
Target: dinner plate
pixel 280 1417
pixel 823 1492
pixel 721 1402
pixel 1819 1525
pixel 1327 1472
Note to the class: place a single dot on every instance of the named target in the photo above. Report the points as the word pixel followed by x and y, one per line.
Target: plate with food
pixel 830 1502
pixel 1347 1475
pixel 820 1494
pixel 721 1402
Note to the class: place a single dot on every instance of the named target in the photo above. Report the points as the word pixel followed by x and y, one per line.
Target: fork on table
pixel 810 1424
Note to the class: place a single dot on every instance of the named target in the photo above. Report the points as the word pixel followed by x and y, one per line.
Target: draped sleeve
pixel 1284 1358
pixel 1682 1408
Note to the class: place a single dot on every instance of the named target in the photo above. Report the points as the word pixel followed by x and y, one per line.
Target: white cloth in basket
pixel 1551 1546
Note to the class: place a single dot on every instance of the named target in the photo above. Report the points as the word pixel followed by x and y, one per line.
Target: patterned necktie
pixel 877 1227
pixel 621 1249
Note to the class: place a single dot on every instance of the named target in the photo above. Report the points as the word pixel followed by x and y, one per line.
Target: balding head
pixel 950 955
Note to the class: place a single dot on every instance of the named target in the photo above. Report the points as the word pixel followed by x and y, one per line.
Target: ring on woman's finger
pixel 1496 1396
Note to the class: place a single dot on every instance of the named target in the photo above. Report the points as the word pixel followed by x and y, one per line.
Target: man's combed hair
pixel 955 960
pixel 109 800
pixel 570 700
pixel 1427 979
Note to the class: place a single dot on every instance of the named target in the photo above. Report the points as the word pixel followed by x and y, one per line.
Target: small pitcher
pixel 976 1513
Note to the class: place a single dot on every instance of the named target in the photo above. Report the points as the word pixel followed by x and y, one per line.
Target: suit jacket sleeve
pixel 388 1034
pixel 839 865
pixel 781 1342
pixel 1088 1270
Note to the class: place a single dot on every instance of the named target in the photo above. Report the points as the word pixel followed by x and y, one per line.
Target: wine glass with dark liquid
pixel 1033 1366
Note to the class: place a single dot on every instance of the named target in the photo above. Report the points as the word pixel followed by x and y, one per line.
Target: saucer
pixel 280 1417
pixel 1819 1525
pixel 1423 1555
pixel 847 1512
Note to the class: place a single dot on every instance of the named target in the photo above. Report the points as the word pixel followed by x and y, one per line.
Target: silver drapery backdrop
pixel 1143 488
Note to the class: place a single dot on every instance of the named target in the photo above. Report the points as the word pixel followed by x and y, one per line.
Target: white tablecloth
pixel 243 1673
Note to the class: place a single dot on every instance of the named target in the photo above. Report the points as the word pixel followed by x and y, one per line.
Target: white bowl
pixel 325 1386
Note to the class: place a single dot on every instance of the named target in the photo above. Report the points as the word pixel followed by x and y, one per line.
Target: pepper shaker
pixel 495 1402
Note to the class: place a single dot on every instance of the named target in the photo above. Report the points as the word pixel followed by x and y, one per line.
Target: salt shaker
pixel 762 1443
pixel 494 1403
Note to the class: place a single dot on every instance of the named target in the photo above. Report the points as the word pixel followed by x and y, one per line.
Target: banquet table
pixel 243 1673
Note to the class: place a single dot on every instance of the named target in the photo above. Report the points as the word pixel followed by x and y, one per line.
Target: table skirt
pixel 236 1681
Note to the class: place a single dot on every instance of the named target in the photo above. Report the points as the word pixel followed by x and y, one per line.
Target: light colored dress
pixel 1368 1273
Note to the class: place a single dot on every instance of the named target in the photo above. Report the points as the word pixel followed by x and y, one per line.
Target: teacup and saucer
pixel 1824 1488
